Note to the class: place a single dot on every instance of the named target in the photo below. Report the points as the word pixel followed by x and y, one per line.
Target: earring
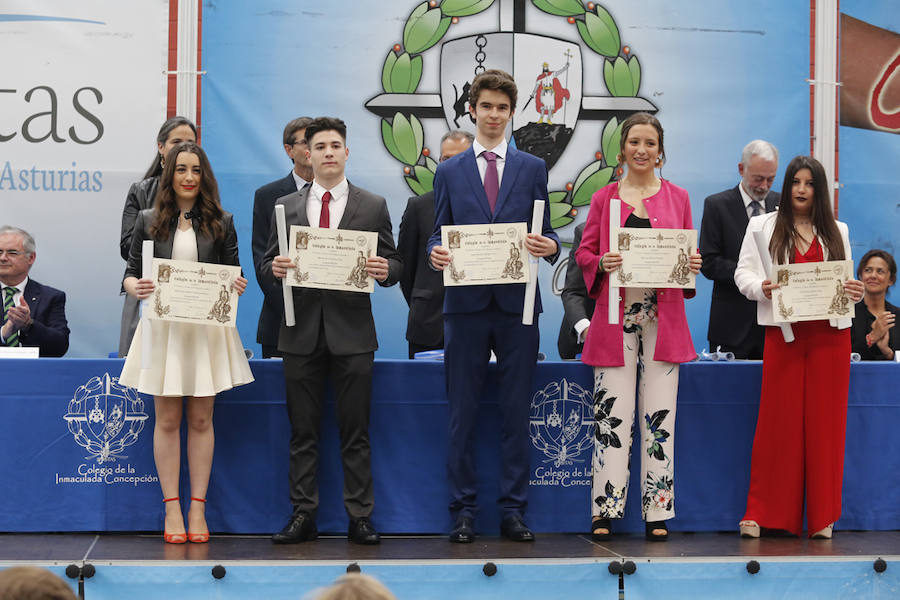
pixel 162 161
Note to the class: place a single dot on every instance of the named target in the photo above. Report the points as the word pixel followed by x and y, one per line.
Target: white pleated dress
pixel 188 359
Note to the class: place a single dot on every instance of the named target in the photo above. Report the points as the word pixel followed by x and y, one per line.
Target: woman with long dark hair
pixel 140 196
pixel 799 441
pixel 645 347
pixel 189 360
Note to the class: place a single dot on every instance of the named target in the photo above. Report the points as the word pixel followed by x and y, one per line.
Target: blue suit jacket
pixel 459 199
pixel 50 331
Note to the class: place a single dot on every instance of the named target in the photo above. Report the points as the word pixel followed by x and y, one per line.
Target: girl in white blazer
pixel 798 450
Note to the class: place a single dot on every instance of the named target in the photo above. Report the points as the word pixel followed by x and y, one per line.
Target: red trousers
pixel 799 442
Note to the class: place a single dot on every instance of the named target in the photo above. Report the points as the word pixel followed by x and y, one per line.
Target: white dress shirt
pixel 299 181
pixel 336 205
pixel 499 150
pixel 748 202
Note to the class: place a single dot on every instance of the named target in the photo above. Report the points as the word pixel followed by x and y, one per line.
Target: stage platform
pixel 701 565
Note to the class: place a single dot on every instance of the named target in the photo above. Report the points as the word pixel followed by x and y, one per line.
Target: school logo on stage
pixel 549 74
pixel 561 428
pixel 105 418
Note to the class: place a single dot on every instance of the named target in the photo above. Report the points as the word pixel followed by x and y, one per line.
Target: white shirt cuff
pixel 579 328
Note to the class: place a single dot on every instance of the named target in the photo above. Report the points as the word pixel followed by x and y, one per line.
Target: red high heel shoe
pixel 198 538
pixel 173 538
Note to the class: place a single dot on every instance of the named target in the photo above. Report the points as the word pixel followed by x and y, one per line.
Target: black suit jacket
pixel 222 252
pixel 345 317
pixel 576 303
pixel 423 287
pixel 273 306
pixel 141 196
pixel 731 314
pixel 49 330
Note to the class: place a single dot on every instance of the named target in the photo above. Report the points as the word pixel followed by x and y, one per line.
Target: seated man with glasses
pixel 32 314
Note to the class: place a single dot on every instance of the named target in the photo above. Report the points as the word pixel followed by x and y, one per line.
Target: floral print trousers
pixel 656 384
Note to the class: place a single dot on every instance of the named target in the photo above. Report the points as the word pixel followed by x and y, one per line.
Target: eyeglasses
pixel 11 253
pixel 300 142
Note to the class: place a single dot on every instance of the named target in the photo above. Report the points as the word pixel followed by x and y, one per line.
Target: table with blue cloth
pixel 77 450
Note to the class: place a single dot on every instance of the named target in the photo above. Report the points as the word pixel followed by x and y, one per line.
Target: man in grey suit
pixel 732 318
pixel 423 287
pixel 335 333
pixel 272 310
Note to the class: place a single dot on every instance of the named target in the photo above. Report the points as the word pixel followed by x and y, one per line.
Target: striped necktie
pixel 9 294
pixel 756 208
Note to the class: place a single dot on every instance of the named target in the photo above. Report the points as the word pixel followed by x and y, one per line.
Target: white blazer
pixel 749 274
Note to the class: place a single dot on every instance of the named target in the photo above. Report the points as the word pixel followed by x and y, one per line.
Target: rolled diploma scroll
pixel 146 333
pixel 615 215
pixel 280 225
pixel 762 246
pixel 537 226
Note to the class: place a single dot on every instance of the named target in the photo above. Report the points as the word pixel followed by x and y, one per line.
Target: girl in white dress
pixel 193 361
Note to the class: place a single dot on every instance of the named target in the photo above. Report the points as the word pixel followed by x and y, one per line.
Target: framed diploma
pixel 655 258
pixel 193 292
pixel 812 291
pixel 331 259
pixel 488 254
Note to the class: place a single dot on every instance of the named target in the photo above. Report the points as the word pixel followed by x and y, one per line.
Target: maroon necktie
pixel 324 216
pixel 491 180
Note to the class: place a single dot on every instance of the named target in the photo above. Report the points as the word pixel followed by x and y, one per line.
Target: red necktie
pixel 491 179
pixel 324 215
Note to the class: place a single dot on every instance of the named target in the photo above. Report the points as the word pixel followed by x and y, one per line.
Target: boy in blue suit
pixel 490 183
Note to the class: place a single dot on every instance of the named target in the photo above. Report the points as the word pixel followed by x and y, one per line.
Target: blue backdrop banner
pixel 717 75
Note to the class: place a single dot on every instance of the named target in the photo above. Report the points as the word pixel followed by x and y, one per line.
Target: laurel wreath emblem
pixel 404 137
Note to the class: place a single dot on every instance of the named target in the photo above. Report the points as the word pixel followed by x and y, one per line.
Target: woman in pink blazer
pixel 644 349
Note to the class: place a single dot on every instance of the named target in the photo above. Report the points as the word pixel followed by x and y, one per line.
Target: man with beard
pixel 732 318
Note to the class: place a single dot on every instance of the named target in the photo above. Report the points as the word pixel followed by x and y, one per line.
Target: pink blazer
pixel 669 208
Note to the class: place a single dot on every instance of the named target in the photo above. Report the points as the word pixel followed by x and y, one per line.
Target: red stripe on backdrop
pixel 812 75
pixel 837 110
pixel 173 58
pixel 199 67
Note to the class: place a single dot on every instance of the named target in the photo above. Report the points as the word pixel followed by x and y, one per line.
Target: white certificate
pixel 812 291
pixel 331 259
pixel 655 258
pixel 489 254
pixel 193 292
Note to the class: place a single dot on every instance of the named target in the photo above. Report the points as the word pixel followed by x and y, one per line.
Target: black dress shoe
pixel 300 528
pixel 362 532
pixel 463 531
pixel 514 528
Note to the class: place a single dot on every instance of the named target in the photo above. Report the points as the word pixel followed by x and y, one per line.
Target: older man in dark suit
pixel 335 333
pixel 732 318
pixel 263 205
pixel 423 287
pixel 578 308
pixel 33 315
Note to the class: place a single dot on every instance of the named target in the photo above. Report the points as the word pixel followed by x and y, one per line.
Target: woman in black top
pixel 873 334
pixel 141 195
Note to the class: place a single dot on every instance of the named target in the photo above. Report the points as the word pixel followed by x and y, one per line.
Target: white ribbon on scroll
pixel 146 331
pixel 615 215
pixel 762 246
pixel 281 227
pixel 537 226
